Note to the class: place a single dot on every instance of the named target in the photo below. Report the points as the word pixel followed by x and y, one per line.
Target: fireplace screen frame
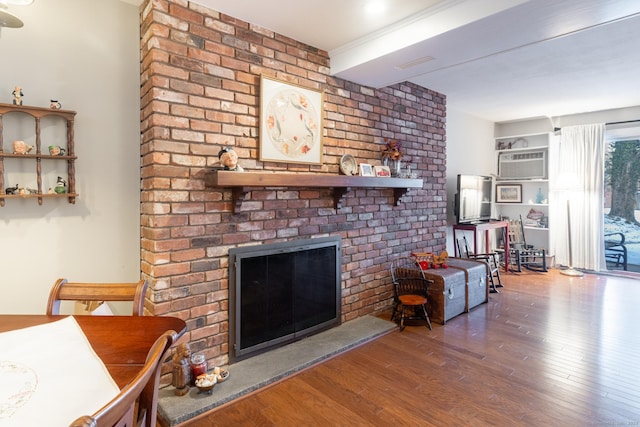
pixel 242 347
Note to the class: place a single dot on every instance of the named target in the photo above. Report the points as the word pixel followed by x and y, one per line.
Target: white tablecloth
pixel 50 375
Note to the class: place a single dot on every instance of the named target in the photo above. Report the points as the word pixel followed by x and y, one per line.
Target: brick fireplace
pixel 200 75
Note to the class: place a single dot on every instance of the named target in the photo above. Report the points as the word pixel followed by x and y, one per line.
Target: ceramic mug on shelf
pixel 56 150
pixel 61 186
pixel 19 147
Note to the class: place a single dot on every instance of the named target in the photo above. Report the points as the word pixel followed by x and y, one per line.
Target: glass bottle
pixel 539 196
pixel 198 366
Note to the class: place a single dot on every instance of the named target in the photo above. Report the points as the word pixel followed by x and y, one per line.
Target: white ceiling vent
pixel 414 63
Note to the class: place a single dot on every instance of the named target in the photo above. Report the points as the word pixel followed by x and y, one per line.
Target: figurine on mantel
pixel 17 96
pixel 229 159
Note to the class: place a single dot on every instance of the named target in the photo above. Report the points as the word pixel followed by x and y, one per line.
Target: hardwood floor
pixel 548 350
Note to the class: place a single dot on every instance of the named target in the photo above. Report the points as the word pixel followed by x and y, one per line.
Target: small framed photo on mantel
pixel 508 193
pixel 366 169
pixel 382 171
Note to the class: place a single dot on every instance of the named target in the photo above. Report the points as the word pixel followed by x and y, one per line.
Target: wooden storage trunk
pixel 447 293
pixel 476 276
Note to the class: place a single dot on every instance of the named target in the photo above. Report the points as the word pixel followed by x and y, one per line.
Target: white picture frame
pixel 291 123
pixel 382 171
pixel 366 169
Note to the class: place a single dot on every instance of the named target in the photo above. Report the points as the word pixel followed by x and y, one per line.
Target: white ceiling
pixel 499 60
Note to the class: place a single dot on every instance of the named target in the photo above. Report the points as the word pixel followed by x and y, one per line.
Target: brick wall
pixel 200 75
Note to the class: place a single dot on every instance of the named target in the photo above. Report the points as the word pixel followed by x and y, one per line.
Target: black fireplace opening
pixel 282 292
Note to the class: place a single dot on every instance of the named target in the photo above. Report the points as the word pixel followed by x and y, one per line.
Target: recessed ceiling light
pixel 375 7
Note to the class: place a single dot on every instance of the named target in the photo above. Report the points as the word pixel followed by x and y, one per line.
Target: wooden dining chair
pixel 131 408
pixel 63 290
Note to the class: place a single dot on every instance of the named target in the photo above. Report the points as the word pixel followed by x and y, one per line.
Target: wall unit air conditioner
pixel 529 164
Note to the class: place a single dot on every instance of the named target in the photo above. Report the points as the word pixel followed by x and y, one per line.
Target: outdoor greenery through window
pixel 622 202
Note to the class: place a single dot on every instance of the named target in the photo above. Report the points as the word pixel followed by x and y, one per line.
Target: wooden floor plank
pixel 548 350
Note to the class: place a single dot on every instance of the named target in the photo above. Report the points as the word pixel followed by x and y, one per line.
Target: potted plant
pixel 391 155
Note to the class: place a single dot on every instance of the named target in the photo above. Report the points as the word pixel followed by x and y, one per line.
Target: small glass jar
pixel 198 366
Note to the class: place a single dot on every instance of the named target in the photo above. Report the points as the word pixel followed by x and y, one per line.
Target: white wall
pixel 470 150
pixel 86 55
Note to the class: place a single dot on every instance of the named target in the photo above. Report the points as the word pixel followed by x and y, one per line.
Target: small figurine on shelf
pixel 19 147
pixel 55 105
pixel 17 96
pixel 11 190
pixel 56 150
pixel 61 186
pixel 229 159
pixel 181 378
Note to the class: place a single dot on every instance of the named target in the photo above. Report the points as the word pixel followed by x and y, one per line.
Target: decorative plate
pixel 292 127
pixel 348 165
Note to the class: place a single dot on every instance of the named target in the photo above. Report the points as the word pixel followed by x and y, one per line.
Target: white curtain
pixel 576 178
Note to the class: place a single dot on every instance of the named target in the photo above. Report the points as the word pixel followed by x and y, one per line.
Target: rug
pixel 259 371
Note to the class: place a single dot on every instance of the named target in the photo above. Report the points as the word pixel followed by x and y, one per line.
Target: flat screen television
pixel 473 199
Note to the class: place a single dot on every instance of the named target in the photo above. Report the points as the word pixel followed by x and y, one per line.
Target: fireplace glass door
pixel 284 292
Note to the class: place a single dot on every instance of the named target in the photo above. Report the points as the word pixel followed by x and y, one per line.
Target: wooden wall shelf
pixel 70 196
pixel 241 183
pixel 39 154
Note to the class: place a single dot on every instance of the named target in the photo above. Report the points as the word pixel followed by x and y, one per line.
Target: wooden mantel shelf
pixel 241 182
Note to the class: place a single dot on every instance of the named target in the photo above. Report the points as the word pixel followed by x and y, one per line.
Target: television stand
pixel 486 227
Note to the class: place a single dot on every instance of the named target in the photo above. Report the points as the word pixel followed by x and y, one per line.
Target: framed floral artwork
pixel 290 122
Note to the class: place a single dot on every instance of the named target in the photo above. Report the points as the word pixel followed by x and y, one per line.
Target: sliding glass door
pixel 622 200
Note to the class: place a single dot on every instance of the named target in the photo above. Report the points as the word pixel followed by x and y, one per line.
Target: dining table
pixel 120 342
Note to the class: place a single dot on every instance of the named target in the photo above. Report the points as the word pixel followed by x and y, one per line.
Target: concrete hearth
pixel 259 371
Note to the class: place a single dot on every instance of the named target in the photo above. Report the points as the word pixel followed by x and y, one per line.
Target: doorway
pixel 622 199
